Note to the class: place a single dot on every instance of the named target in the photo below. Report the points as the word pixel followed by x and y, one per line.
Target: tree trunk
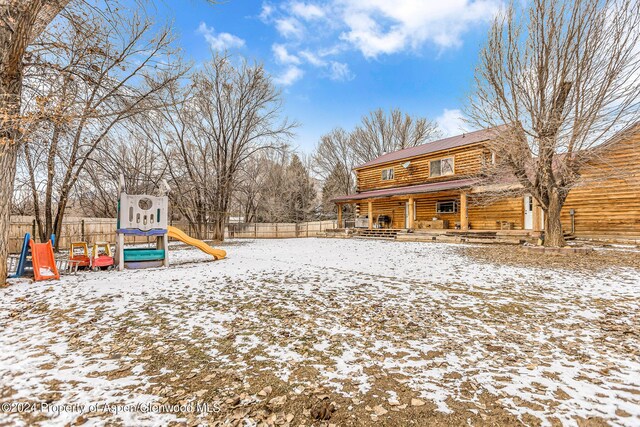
pixel 56 228
pixel 10 92
pixel 554 235
pixel 220 214
pixel 48 197
pixel 8 156
pixel 13 42
pixel 218 228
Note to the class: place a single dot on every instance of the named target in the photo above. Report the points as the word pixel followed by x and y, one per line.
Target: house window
pixel 387 174
pixel 441 167
pixel 449 206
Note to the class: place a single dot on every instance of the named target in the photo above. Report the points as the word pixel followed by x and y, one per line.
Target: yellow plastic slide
pixel 176 233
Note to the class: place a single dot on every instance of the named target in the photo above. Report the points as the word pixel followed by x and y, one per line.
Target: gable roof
pixel 439 145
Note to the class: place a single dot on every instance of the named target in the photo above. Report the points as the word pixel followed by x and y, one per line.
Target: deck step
pixel 377 233
pixel 374 237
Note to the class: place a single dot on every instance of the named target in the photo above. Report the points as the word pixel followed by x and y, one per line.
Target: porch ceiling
pixel 412 189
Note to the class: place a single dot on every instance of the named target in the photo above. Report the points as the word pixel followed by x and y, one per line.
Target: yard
pixel 329 331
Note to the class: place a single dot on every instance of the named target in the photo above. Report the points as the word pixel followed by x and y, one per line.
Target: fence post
pixel 277 230
pixel 255 230
pixel 307 228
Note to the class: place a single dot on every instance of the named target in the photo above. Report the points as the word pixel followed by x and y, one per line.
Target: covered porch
pixel 451 207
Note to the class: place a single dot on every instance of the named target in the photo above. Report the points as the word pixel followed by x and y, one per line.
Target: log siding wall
pixel 467 162
pixel 607 203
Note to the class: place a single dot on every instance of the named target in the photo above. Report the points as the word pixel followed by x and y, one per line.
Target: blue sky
pixel 336 60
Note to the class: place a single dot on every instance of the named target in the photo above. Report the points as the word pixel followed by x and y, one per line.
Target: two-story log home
pixel 434 186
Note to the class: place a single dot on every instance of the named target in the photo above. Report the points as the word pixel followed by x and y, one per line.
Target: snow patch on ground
pixel 549 343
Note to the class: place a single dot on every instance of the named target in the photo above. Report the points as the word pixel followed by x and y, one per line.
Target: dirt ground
pixel 320 332
pixel 604 257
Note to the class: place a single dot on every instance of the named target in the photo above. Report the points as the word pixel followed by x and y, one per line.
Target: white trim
pixel 528 211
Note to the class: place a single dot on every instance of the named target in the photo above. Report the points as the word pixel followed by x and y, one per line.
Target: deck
pixel 447 235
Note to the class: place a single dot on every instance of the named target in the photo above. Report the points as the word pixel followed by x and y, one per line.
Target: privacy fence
pixel 93 230
pixel 74 229
pixel 279 230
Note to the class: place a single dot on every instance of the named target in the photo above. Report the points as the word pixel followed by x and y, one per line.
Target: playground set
pixel 138 215
pixel 144 215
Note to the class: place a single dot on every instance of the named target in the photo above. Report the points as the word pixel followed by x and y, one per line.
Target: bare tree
pixel 300 195
pixel 563 76
pixel 253 185
pixel 334 160
pixel 339 151
pixel 272 207
pixel 334 186
pixel 21 21
pixel 336 151
pixel 172 130
pixel 225 116
pixel 139 162
pixel 239 110
pixel 89 76
pixel 381 133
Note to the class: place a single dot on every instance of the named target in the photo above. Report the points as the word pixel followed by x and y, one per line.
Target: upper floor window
pixel 387 174
pixel 441 167
pixel 488 159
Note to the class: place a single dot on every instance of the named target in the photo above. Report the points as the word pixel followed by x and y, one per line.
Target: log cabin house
pixel 433 188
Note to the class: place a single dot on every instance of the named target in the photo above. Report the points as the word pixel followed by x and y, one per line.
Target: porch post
pixel 464 212
pixel 370 213
pixel 411 212
pixel 339 215
pixel 536 215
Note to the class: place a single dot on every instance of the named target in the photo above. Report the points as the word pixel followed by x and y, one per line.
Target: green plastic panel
pixel 141 254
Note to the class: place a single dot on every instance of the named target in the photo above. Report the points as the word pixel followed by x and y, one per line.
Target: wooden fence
pixel 74 229
pixel 279 230
pixel 93 230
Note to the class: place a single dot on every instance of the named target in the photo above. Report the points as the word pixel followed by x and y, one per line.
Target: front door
pixel 528 212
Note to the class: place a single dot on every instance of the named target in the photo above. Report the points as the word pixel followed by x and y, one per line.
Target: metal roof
pixel 432 147
pixel 411 189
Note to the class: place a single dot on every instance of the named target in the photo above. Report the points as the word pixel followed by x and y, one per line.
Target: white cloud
pixel 335 70
pixel 451 122
pixel 220 41
pixel 340 71
pixel 307 11
pixel 283 56
pixel 322 33
pixel 266 11
pixel 378 27
pixel 290 76
pixel 289 27
pixel 313 59
pixel 381 27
